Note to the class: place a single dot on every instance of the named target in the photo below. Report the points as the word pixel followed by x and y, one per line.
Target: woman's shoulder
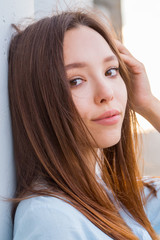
pixel 51 208
pixel 46 217
pixel 152 206
pixel 154 182
pixel 41 204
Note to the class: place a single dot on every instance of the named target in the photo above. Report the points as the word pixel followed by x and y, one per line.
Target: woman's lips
pixel 108 118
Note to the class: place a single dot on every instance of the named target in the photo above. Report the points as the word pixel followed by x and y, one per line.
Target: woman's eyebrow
pixel 75 65
pixel 83 64
pixel 111 58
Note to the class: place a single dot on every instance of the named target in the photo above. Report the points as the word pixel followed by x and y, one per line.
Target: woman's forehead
pixel 84 44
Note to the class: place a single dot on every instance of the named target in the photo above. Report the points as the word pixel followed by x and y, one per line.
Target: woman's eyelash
pixel 112 72
pixel 73 82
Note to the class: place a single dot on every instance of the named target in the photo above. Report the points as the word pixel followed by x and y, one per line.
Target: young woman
pixel 73 93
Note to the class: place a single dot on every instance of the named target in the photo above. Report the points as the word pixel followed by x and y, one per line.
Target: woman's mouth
pixel 110 117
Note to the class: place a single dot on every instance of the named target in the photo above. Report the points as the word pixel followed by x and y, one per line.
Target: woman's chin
pixel 109 142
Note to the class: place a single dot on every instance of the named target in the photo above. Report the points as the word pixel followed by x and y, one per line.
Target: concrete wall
pixel 45 7
pixel 10 12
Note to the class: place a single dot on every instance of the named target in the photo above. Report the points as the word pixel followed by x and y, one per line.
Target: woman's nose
pixel 103 92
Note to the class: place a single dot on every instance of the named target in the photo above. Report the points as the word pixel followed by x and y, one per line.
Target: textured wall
pixel 10 11
pixel 44 7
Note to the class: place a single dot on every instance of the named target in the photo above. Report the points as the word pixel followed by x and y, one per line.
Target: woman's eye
pixel 75 82
pixel 112 72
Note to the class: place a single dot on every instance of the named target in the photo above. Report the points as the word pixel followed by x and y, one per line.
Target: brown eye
pixel 112 72
pixel 75 82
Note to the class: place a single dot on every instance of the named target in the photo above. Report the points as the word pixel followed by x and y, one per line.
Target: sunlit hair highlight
pixel 49 136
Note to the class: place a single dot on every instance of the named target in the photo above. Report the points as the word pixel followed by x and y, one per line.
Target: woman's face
pixel 97 88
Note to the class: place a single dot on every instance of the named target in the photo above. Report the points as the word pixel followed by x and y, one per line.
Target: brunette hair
pixel 49 135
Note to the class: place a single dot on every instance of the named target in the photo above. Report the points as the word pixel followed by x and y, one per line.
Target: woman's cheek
pixel 122 92
pixel 81 104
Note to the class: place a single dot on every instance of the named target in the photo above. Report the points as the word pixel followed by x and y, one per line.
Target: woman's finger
pixel 122 49
pixel 133 64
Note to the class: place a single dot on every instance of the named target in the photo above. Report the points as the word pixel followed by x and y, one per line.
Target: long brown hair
pixel 49 135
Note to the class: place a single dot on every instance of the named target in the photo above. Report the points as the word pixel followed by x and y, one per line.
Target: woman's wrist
pixel 151 112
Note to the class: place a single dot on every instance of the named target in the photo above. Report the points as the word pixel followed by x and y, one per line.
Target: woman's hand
pixel 143 100
pixel 141 90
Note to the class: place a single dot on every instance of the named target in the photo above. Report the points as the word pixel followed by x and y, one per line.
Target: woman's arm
pixel 152 112
pixel 152 206
pixel 143 100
